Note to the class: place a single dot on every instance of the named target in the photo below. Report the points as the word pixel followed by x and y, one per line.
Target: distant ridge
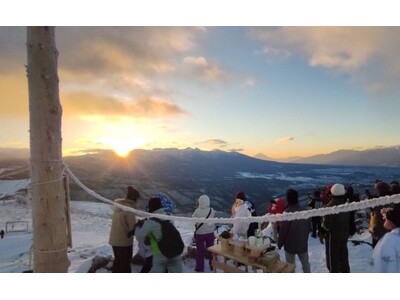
pixel 380 157
pixel 185 174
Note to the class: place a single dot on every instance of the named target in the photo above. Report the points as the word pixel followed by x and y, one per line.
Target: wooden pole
pixel 47 186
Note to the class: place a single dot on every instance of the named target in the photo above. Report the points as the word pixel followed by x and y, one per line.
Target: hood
pixel 204 201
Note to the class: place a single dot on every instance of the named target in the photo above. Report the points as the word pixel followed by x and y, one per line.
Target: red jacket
pixel 278 207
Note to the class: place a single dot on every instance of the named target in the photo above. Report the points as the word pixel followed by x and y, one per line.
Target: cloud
pixel 214 142
pixel 201 68
pixel 249 81
pixel 217 142
pixel 148 50
pixel 198 61
pixel 100 105
pixel 284 140
pixel 366 54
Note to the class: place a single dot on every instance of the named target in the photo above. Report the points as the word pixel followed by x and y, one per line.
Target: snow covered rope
pixel 266 218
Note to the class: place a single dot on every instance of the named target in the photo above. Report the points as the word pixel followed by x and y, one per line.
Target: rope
pixel 50 251
pixel 306 214
pixel 46 182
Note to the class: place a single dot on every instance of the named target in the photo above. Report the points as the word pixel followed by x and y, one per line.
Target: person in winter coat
pixel 242 208
pixel 376 221
pixel 240 200
pixel 335 232
pixel 150 231
pixel 293 235
pixel 204 233
pixel 276 206
pixel 120 239
pixel 385 256
pixel 316 202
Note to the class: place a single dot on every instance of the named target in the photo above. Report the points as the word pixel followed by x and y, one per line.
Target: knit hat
pixel 292 197
pixel 154 204
pixel 132 193
pixel 394 216
pixel 241 195
pixel 382 188
pixel 338 189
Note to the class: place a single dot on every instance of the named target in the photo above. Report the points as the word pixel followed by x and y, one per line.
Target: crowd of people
pixel 332 230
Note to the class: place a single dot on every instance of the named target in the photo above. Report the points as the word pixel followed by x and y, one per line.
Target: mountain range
pixel 184 175
pixel 383 156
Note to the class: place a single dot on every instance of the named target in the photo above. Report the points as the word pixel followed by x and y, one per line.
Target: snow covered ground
pixel 90 228
pixel 91 223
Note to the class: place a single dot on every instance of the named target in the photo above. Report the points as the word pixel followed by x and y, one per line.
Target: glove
pixel 138 224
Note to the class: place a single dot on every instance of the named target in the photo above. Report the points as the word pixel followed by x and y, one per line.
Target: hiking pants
pixel 162 263
pixel 202 240
pixel 305 264
pixel 337 255
pixel 122 259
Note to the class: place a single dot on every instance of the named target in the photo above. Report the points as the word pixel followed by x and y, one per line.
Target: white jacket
pixel 202 211
pixel 240 228
pixel 386 254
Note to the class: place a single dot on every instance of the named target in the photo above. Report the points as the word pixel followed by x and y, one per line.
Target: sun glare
pixel 122 148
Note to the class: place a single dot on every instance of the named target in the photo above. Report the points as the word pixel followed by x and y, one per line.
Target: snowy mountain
pixel 183 175
pixel 384 157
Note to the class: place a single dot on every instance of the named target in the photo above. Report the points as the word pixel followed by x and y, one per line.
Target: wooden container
pixel 225 245
pixel 239 248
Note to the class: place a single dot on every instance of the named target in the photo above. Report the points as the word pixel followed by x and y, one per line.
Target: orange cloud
pixel 284 140
pixel 215 142
pixel 96 105
pixel 201 68
pixel 135 49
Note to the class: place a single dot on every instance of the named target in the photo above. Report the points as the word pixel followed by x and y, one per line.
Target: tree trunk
pixel 47 189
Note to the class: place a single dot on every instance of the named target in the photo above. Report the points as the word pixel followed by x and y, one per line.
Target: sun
pixel 122 151
pixel 123 147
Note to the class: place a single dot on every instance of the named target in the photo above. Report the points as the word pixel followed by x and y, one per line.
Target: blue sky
pixel 281 91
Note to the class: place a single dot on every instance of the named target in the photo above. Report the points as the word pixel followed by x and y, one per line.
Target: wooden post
pixel 47 186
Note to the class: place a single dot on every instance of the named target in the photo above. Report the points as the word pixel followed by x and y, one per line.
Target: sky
pixel 280 90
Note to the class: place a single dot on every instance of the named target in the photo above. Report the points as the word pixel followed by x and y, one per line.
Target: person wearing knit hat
pixel 154 204
pixel 293 235
pixel 132 193
pixel 385 258
pixel 338 190
pixel 292 197
pixel 335 233
pixel 243 207
pixel 120 239
pixel 151 231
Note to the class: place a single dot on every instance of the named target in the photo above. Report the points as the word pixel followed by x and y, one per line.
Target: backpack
pixel 318 203
pixel 171 243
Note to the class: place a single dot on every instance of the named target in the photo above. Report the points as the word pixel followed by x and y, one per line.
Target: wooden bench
pixel 230 262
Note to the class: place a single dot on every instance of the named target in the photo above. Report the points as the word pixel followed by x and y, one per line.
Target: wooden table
pixel 247 265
